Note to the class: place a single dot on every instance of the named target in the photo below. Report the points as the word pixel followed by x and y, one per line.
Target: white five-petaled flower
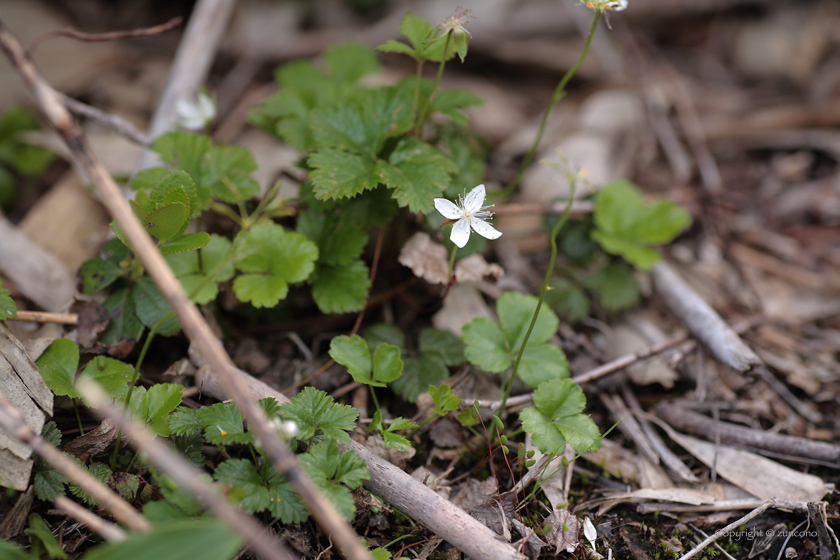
pixel 195 116
pixel 615 5
pixel 469 212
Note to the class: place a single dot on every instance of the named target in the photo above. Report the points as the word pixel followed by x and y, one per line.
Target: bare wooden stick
pixel 697 424
pixel 108 531
pixel 702 320
pixel 396 487
pixel 186 475
pixel 205 27
pixel 721 532
pixel 46 317
pixel 194 324
pixel 115 122
pixel 12 421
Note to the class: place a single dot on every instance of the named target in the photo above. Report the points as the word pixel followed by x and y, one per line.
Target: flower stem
pixel 417 80
pixel 559 92
pixel 450 271
pixel 421 115
pixel 553 240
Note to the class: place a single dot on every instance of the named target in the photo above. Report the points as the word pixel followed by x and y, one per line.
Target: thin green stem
pixel 421 116
pixel 375 400
pixel 553 240
pixel 559 92
pixel 78 417
pixel 451 268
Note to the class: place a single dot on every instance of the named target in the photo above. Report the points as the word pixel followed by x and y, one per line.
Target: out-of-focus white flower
pixel 614 5
pixel 196 116
pixel 287 428
pixel 468 213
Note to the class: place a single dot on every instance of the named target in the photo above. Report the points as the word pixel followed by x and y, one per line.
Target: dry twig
pixel 721 532
pixel 110 36
pixel 108 531
pixel 47 317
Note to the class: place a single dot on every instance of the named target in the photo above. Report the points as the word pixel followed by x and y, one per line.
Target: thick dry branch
pixel 12 421
pixel 702 320
pixel 107 530
pixel 396 487
pixel 187 476
pixel 193 323
pixel 697 424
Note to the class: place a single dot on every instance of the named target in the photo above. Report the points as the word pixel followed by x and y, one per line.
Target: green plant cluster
pixel 18 157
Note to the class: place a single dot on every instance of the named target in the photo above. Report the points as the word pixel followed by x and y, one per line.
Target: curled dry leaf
pixel 430 261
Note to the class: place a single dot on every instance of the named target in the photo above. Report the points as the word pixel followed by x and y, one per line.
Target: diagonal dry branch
pixel 52 106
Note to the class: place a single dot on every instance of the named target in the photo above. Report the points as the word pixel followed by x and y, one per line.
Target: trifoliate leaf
pixel 51 433
pixel 544 435
pixel 8 309
pixel 113 376
pixel 348 62
pixel 557 419
pixel 152 406
pixel 125 324
pixel 516 310
pixel 184 422
pixel 97 274
pixel 223 424
pixel 48 483
pixel 284 503
pixel 152 307
pixel 341 289
pixel 186 151
pixel 559 397
pixel 246 484
pixel 383 333
pixel 628 228
pixel 339 174
pixel 353 353
pixel 541 363
pixel 317 414
pixel 444 398
pixel 186 242
pixel 417 172
pixel 274 259
pixel 616 286
pixel 58 365
pixel 443 344
pixel 567 300
pixel 485 345
pixel 328 467
pixel 396 441
pixel 226 172
pixel 580 431
pixel 190 446
pixel 340 240
pixel 419 373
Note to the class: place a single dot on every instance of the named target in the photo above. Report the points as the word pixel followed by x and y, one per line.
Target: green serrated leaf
pixel 544 435
pixel 58 365
pixel 339 174
pixel 184 422
pixel 616 286
pixel 317 414
pixel 450 102
pixel 207 539
pixel 113 376
pixel 418 173
pixel 173 186
pixel 516 310
pixel 444 344
pixel 151 307
pixel 387 365
pixel 284 503
pixel 8 309
pixel 558 419
pixel 415 29
pixel 101 472
pixel 383 333
pixel 245 484
pixel 352 352
pixel 165 222
pixel 541 363
pixel 396 441
pixel 223 424
pixel 559 397
pixel 348 62
pixel 444 398
pixel 125 324
pixel 146 180
pixel 341 289
pixel 97 274
pixel 193 268
pixel 186 242
pixel 227 173
pixel 485 345
pixel 185 151
pixel 153 406
pixel 395 47
pixel 340 240
pixel 274 259
pixel 419 373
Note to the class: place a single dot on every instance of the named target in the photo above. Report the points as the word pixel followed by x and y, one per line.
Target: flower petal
pixel 460 232
pixel 448 209
pixel 474 200
pixel 484 229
